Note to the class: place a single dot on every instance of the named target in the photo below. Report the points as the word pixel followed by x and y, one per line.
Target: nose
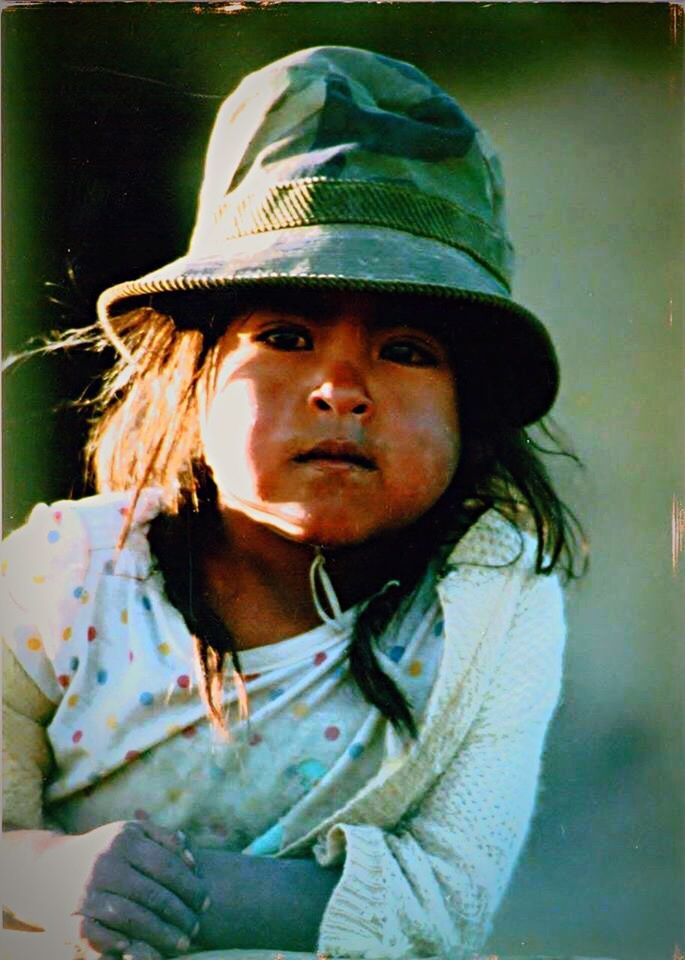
pixel 342 391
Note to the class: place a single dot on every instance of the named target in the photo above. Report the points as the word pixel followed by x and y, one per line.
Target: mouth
pixel 337 452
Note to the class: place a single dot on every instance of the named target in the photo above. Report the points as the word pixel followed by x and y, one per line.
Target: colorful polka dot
pixel 101 677
pixel 189 731
pixel 146 698
pixel 395 653
pixel 112 722
pixel 66 634
pixel 415 668
pixel 164 649
pixel 331 733
pixel 275 694
pixel 64 680
pixel 53 536
pixel 38 580
pixel 34 643
pixel 84 597
pixel 183 681
pixel 131 755
pixel 123 616
pixel 92 634
pixel 76 736
pixel 356 750
pixel 438 628
pixel 72 700
pixel 300 710
pixel 78 592
pixel 3 568
pixel 130 656
pixel 57 516
pixel 73 663
pixel 255 739
pixel 147 603
pixel 172 730
pixel 123 511
pixel 319 658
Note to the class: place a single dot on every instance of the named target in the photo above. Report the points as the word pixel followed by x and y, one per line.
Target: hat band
pixel 316 201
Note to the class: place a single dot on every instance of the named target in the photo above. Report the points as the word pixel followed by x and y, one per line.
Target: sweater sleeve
pixel 37 562
pixel 432 885
pixel 26 754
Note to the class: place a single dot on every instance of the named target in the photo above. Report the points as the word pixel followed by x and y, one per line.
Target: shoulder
pixel 54 561
pixel 492 575
pixel 77 527
pixel 495 542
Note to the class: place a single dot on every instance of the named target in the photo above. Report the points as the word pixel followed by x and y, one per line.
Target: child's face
pixel 332 418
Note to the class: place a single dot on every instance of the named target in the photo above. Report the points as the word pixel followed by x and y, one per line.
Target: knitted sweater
pixel 428 844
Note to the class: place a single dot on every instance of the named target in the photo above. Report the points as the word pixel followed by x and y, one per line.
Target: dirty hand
pixel 142 898
pixel 126 889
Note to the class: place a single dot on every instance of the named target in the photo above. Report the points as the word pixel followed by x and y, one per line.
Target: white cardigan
pixel 428 845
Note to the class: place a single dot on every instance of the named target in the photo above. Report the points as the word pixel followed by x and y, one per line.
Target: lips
pixel 337 451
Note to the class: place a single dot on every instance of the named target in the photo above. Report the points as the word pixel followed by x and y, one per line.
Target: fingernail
pixel 194 932
pixel 206 904
pixel 183 944
pixel 188 857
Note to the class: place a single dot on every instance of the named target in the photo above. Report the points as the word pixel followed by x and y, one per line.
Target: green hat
pixel 338 167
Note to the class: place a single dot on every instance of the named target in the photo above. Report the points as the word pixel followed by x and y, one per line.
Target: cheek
pixel 422 474
pixel 426 450
pixel 227 429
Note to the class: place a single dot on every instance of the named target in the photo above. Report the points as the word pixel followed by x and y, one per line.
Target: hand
pixel 125 889
pixel 142 898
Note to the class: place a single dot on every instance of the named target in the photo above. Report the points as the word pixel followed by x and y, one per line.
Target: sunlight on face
pixel 330 422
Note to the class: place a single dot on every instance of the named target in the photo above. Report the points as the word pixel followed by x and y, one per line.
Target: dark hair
pixel 147 433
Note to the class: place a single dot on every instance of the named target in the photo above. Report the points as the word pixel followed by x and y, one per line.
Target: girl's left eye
pixel 285 338
pixel 409 353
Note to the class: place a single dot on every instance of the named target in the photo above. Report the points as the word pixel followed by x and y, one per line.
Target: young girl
pixel 284 682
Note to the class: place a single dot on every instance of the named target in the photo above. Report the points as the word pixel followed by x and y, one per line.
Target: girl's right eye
pixel 286 338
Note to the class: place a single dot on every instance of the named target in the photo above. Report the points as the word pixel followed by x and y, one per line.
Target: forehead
pixel 375 308
pixel 214 311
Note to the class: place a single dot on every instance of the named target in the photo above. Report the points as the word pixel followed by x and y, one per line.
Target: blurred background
pixel 106 111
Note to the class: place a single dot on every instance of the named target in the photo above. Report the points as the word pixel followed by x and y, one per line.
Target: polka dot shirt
pixel 94 630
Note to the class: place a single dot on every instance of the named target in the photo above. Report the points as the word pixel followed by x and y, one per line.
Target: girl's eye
pixel 409 353
pixel 286 338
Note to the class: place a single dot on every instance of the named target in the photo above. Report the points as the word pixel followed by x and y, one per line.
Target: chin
pixel 329 532
pixel 332 538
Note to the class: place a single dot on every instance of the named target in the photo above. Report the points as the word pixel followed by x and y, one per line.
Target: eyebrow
pixel 387 311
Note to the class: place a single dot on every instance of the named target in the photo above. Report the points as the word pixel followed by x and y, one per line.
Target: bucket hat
pixel 342 168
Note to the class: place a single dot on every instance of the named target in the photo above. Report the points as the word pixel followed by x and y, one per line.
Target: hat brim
pixel 355 256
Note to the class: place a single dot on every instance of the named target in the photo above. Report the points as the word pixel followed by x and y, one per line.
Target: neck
pixel 250 567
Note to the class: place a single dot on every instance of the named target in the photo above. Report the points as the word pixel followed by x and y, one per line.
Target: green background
pixel 106 111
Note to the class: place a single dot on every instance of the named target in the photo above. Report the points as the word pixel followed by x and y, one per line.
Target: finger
pixel 135 951
pixel 168 870
pixel 141 951
pixel 133 885
pixel 102 938
pixel 175 841
pixel 134 922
